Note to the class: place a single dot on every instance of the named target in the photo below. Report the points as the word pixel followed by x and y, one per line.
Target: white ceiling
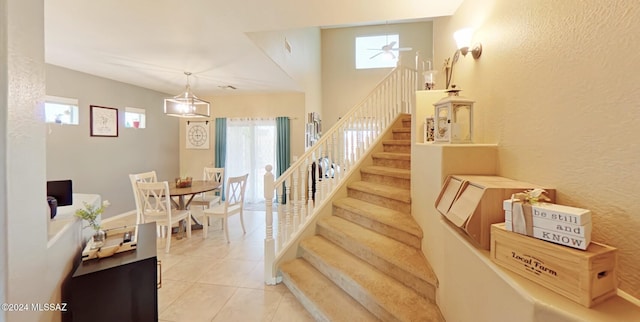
pixel 151 43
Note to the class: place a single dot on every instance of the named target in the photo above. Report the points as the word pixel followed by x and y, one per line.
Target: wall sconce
pixel 463 40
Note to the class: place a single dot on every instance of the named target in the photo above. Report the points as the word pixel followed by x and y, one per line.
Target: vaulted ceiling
pixel 151 43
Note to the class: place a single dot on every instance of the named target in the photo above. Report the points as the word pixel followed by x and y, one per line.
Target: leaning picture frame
pixel 103 121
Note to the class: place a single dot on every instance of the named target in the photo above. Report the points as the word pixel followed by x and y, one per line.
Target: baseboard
pixel 120 216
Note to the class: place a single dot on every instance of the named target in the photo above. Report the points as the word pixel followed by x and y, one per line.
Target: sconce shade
pixel 463 37
pixel 186 104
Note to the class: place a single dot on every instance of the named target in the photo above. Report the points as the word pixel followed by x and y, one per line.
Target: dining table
pixel 185 195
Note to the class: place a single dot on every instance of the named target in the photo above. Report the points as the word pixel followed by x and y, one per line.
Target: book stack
pixel 564 225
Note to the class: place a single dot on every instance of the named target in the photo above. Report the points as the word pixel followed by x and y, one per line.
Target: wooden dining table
pixel 186 195
pixel 197 187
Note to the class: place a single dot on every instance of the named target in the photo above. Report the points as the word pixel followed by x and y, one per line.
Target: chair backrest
pixel 140 177
pixel 213 174
pixel 155 204
pixel 235 191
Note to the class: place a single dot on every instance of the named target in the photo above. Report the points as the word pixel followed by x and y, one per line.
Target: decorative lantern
pixel 454 119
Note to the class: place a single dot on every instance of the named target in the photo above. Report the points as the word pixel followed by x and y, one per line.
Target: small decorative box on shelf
pixel 118 240
pixel 474 202
pixel 586 277
pixel 568 226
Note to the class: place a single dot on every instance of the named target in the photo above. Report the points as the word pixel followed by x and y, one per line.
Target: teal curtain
pixel 221 147
pixel 283 148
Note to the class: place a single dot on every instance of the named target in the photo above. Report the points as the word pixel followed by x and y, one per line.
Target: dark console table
pixel 122 287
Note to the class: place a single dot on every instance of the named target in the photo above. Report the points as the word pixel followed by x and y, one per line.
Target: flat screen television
pixel 62 190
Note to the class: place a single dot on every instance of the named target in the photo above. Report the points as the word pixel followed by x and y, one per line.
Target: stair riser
pixel 378 227
pixel 380 200
pixel 406 123
pixel 392 163
pixel 422 287
pixel 402 148
pixel 387 180
pixel 402 135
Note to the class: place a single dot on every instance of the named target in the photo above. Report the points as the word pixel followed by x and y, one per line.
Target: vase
pixel 98 239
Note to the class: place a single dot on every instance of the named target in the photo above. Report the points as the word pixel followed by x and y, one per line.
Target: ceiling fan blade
pixel 376 55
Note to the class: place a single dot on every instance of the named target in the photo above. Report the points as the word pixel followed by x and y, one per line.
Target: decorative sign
pixel 197 135
pixel 103 121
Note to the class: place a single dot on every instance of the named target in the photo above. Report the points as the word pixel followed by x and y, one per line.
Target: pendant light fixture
pixel 186 104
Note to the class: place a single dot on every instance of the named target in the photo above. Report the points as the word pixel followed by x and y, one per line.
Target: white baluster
pixel 269 243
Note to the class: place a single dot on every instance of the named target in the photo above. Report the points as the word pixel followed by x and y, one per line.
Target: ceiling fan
pixel 388 49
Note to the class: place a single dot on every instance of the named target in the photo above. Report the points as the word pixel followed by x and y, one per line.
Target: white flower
pixel 106 204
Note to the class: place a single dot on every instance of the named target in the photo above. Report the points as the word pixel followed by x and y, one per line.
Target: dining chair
pixel 156 207
pixel 140 177
pixel 210 198
pixel 233 204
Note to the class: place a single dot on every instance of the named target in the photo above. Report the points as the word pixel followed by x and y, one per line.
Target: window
pixel 134 118
pixel 251 144
pixel 61 110
pixel 377 51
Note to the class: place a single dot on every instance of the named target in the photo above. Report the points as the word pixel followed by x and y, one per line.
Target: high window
pixel 377 51
pixel 61 110
pixel 134 118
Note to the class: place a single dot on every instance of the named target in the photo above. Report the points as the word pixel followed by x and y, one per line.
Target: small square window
pixel 377 51
pixel 61 110
pixel 134 118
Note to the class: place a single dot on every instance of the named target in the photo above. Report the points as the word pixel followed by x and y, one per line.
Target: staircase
pixel 365 262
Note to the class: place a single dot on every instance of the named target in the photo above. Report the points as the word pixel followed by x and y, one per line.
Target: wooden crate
pixel 584 276
pixel 473 203
pixel 114 243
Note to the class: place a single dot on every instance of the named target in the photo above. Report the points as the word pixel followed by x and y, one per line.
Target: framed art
pixel 103 121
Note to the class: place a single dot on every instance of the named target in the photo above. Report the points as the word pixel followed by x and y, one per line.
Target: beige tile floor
pixel 212 280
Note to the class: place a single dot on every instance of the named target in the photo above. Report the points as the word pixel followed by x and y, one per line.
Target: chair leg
pixel 205 226
pixel 226 228
pixel 167 239
pixel 242 221
pixel 189 226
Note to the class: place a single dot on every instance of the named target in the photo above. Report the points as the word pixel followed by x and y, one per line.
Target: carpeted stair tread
pixel 392 155
pixel 401 130
pixel 397 142
pixel 320 296
pixel 379 293
pixel 402 195
pixel 387 171
pixel 408 258
pixel 386 216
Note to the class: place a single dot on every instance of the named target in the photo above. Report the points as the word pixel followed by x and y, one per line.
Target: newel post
pixel 269 243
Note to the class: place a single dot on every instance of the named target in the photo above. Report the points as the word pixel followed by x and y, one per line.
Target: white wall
pixel 342 85
pixel 258 105
pixel 302 63
pixel 24 253
pixel 102 165
pixel 4 99
pixel 556 89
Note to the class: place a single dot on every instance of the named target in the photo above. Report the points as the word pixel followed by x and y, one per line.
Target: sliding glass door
pixel 251 144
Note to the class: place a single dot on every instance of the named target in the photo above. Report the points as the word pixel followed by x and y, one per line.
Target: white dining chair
pixel 156 207
pixel 210 198
pixel 233 204
pixel 140 177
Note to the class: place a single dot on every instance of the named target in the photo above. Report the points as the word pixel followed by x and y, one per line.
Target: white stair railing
pixel 322 168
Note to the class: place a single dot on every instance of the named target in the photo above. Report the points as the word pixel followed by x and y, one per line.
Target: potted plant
pixel 90 213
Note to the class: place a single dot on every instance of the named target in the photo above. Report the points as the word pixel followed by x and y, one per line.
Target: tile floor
pixel 212 280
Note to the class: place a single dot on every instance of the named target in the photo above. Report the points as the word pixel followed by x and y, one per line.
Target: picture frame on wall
pixel 103 121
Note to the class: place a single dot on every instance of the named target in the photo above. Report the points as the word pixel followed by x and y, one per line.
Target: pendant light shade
pixel 186 104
